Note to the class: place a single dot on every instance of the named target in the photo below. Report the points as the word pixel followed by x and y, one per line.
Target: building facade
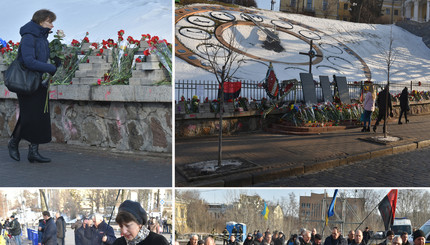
pixel 392 10
pixel 313 211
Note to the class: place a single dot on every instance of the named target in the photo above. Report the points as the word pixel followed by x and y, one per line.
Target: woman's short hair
pixel 125 217
pixel 42 15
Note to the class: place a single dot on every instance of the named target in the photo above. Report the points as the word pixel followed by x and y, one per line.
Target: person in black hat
pixel 419 237
pixel 132 219
pixel 390 236
pixel 248 240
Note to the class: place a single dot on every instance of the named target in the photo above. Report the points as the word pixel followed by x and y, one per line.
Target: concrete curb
pixel 250 179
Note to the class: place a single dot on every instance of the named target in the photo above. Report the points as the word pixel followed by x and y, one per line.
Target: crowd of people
pixel 307 237
pixel 132 219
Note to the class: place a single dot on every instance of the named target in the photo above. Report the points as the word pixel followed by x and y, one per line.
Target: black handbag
pixel 21 80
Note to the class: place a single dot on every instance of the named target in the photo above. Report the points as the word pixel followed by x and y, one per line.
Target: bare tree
pixel 223 62
pixel 390 56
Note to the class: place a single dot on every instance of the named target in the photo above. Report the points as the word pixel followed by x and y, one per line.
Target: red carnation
pixel 125 55
pixel 138 60
pixel 95 45
pixel 99 81
pixel 121 32
pixel 146 52
pixel 86 40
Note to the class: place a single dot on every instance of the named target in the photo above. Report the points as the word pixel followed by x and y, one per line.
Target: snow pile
pixel 101 18
pixel 368 41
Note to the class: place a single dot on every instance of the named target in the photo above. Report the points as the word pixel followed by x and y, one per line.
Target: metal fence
pixel 255 90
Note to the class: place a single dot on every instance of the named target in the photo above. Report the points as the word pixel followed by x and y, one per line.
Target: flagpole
pixel 367 216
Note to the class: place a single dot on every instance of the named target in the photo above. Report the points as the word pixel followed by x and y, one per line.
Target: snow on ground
pixel 101 18
pixel 368 41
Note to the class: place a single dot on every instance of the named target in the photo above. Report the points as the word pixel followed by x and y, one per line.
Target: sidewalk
pixel 291 155
pixel 83 166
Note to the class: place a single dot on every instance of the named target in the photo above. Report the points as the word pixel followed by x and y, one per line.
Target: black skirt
pixel 35 125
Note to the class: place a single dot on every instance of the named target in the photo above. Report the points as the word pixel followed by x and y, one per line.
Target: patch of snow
pixel 212 166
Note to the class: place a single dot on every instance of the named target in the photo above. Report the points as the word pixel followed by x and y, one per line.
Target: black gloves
pixel 57 61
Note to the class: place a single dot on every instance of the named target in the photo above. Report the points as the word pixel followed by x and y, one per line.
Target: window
pixel 345 6
pixel 325 3
pixel 396 12
pixel 293 3
pixel 387 11
pixel 309 4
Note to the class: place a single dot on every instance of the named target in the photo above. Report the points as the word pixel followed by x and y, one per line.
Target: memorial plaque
pixel 309 92
pixel 326 90
pixel 342 87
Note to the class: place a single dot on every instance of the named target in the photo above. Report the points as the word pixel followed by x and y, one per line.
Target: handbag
pixel 21 80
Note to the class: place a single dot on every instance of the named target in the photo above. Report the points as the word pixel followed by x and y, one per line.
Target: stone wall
pixel 206 124
pixel 135 117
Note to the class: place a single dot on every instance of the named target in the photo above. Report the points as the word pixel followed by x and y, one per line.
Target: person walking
pixel 383 109
pixel 404 105
pixel 369 107
pixel 33 124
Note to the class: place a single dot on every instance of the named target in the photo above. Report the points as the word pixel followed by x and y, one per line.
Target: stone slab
pixel 3 67
pixel 153 93
pixel 309 92
pixel 140 81
pixel 72 92
pixel 152 58
pixel 96 59
pixel 148 66
pixel 86 80
pixel 155 75
pixel 113 93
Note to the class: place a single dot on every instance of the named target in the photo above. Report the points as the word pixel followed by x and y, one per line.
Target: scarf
pixel 142 235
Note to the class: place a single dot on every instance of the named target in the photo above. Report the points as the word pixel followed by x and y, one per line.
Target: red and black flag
pixel 231 90
pixel 387 208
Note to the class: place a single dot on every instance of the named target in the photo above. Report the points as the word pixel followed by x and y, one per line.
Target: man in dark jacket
pixel 100 233
pixel 382 105
pixel 76 226
pixel 50 231
pixel 80 238
pixel 358 238
pixel 258 239
pixel 366 235
pixel 15 229
pixel 41 228
pixel 248 240
pixel 405 240
pixel 335 238
pixel 61 228
pixel 306 238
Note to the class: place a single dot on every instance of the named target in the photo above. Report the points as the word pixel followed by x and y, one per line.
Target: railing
pixel 254 90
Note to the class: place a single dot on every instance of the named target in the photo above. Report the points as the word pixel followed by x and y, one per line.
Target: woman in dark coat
pixel 132 219
pixel 33 124
pixel 404 105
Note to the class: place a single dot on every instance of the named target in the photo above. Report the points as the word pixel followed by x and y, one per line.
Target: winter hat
pixel 390 232
pixel 259 235
pixel 249 235
pixel 135 209
pixel 418 233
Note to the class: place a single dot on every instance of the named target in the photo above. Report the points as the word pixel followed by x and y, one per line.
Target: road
pixel 84 166
pixel 400 170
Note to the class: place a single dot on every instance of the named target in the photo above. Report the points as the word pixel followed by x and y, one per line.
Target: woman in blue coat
pixel 33 124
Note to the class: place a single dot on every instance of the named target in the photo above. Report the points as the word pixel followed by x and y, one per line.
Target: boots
pixel 368 129
pixel 364 129
pixel 13 148
pixel 33 154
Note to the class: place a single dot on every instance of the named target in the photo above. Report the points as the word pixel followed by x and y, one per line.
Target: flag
pixel 387 208
pixel 272 84
pixel 231 90
pixel 265 211
pixel 330 211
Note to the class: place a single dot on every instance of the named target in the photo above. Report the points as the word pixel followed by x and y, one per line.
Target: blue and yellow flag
pixel 265 211
pixel 330 211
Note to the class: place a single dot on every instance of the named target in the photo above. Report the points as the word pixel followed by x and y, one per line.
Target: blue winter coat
pixel 34 48
pixel 50 233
